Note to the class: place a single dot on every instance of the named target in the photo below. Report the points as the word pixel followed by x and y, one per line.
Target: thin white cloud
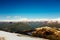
pixel 8 17
pixel 12 17
pixel 19 18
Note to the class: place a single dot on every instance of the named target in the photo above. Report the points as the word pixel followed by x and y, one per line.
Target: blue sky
pixel 30 8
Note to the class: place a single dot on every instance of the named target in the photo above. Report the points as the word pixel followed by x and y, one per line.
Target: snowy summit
pixel 12 36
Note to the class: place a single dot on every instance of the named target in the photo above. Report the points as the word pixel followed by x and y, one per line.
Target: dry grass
pixel 47 32
pixel 2 38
